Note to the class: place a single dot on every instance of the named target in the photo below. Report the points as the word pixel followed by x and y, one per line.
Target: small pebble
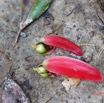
pixel 23 34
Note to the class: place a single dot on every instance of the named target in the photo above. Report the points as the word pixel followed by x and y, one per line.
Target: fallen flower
pixel 70 67
pixel 48 43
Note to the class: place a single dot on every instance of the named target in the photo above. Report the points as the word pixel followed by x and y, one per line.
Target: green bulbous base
pixel 42 71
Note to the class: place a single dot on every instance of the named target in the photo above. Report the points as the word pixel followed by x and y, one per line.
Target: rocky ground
pixel 83 23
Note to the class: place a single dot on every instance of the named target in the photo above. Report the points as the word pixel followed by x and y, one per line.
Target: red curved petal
pixel 62 42
pixel 72 67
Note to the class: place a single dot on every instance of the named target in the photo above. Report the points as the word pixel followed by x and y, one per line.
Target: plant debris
pixel 68 82
pixel 32 10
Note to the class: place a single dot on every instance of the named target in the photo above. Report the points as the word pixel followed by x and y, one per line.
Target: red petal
pixel 72 67
pixel 62 42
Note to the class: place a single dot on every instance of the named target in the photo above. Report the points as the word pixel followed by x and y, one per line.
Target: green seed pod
pixel 40 48
pixel 42 71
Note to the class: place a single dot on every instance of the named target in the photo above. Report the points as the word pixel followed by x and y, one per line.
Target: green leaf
pixel 32 10
pixel 38 8
pixel 26 6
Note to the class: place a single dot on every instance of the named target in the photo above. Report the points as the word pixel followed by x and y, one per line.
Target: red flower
pixel 71 67
pixel 47 43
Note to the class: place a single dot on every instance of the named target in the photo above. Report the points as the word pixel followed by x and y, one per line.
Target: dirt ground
pixel 81 24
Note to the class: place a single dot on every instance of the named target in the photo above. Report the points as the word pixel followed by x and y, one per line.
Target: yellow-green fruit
pixel 42 70
pixel 40 48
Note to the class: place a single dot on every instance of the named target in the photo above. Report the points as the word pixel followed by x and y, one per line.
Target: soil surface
pixel 83 23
